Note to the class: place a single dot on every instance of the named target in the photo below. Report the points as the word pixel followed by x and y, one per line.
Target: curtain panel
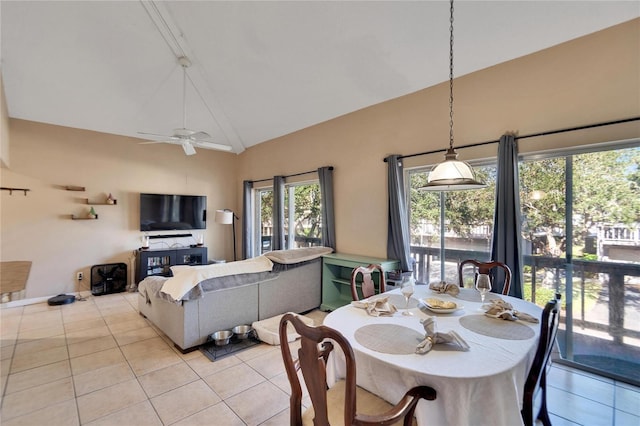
pixel 398 225
pixel 277 236
pixel 325 177
pixel 506 244
pixel 248 248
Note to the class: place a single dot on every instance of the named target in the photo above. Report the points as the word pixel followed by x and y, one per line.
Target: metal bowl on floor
pixel 242 331
pixel 221 338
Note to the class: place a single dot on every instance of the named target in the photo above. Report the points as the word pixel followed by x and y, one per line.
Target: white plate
pixel 440 310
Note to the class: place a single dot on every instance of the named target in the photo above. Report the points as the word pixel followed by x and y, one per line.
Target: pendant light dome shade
pixel 452 175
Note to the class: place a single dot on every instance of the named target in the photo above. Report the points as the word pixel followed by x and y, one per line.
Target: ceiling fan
pixel 187 138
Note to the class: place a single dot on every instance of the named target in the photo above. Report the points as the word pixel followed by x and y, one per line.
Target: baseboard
pixel 34 300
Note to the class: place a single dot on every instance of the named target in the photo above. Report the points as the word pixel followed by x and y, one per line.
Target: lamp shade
pixel 452 175
pixel 224 217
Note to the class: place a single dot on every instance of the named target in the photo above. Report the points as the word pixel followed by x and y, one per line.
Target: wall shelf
pixel 15 189
pixel 101 203
pixel 84 218
pixel 74 188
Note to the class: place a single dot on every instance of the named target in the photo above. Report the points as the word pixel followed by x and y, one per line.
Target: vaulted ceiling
pixel 259 70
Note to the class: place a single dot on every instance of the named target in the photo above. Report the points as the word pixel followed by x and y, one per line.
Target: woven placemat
pixel 389 338
pixel 472 295
pixel 498 328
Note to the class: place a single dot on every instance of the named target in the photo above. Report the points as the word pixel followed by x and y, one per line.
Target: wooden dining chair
pixel 367 285
pixel 490 268
pixel 534 406
pixel 344 403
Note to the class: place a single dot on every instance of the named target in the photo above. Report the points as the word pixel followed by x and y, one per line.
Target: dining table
pixel 479 385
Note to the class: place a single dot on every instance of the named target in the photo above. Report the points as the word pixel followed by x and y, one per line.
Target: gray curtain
pixel 247 222
pixel 277 239
pixel 506 245
pixel 325 176
pixel 398 229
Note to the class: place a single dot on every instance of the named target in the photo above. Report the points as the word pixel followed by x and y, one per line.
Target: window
pixel 302 216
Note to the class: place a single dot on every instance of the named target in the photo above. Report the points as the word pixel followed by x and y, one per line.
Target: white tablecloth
pixel 480 387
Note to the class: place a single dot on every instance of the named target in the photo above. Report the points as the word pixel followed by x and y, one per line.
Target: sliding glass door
pixel 581 237
pixel 582 211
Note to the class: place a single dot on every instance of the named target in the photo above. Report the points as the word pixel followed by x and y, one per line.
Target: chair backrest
pixel 368 286
pixel 312 358
pixel 538 371
pixel 496 270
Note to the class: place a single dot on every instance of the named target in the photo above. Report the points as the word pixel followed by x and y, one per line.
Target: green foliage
pixel 306 202
pixel 590 292
pixel 464 209
pixel 307 210
pixel 606 190
pixel 547 178
pixel 587 256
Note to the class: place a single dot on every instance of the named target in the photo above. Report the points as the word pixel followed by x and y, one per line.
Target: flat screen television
pixel 169 212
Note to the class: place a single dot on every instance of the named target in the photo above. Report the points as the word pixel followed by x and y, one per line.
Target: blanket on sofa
pixel 186 277
pixel 288 257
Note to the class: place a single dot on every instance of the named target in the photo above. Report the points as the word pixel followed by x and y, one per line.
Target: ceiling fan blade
pixel 188 148
pixel 155 135
pixel 212 145
pixel 151 142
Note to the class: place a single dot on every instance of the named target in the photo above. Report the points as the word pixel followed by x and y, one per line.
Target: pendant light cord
pixel 451 77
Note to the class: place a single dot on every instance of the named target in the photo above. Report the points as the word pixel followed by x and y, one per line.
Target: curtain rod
pixel 288 176
pixel 533 135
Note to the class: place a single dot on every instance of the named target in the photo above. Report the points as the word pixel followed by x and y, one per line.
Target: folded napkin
pixel 501 309
pixel 443 287
pixel 432 337
pixel 377 307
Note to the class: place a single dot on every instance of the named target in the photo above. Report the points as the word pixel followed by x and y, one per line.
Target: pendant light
pixel 452 174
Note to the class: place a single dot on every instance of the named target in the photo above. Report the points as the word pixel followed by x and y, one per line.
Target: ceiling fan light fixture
pixel 452 174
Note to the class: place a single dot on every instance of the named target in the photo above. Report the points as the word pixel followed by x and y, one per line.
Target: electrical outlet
pixel 80 276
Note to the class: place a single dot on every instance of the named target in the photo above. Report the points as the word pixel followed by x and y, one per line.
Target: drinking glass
pixel 483 285
pixel 407 292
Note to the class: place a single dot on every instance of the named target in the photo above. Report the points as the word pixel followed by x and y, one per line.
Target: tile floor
pixel 98 362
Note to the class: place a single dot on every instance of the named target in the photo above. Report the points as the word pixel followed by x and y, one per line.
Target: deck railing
pixel 610 275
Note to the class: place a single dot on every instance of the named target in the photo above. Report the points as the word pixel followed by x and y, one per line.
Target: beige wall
pixel 4 127
pixel 39 228
pixel 588 80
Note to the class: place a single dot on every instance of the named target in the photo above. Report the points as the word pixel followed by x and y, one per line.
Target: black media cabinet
pixel 159 262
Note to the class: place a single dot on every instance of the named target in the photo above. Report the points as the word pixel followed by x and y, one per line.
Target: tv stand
pixel 159 262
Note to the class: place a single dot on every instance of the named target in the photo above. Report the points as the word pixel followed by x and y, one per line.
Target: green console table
pixel 336 276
